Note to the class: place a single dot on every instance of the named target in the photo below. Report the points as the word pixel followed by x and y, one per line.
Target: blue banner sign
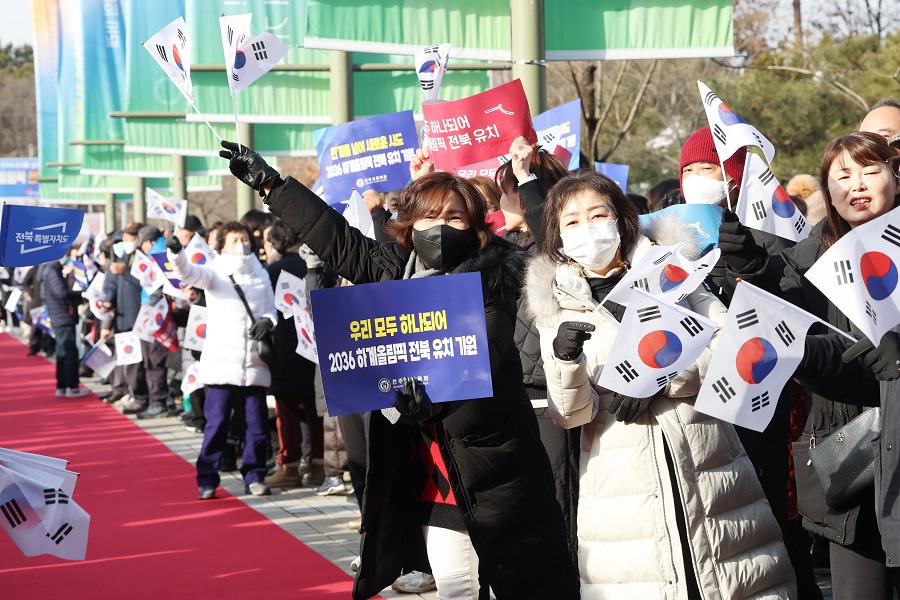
pixel 618 173
pixel 568 118
pixel 31 235
pixel 368 154
pixel 19 178
pixel 372 338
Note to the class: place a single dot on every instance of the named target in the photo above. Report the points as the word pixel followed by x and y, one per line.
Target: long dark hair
pixel 864 149
pixel 431 194
pixel 588 180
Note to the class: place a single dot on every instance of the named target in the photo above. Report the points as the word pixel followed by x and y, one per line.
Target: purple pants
pixel 220 399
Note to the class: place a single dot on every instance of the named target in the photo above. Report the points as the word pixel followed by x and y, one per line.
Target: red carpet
pixel 149 536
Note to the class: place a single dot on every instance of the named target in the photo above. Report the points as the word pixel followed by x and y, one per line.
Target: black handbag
pixel 845 460
pixel 266 346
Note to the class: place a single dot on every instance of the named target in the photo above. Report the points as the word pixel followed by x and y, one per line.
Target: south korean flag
pixel 289 290
pixel 247 57
pixel 665 273
pixel 760 347
pixel 170 47
pixel 729 131
pixel 657 340
pixel 859 275
pixel 306 335
pixel 764 205
pixel 147 272
pixel 431 64
pixel 195 330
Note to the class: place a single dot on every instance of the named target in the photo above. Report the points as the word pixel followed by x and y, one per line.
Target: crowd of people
pixel 554 487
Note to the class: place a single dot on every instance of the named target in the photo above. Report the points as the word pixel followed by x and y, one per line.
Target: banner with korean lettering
pixel 31 235
pixel 19 177
pixel 368 154
pixel 371 338
pixel 478 128
pixel 565 122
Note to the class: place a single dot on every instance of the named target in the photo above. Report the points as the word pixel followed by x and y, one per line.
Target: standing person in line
pixel 668 506
pixel 62 305
pixel 495 506
pixel 230 366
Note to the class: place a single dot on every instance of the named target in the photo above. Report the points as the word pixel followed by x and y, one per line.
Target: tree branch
pixel 596 133
pixel 634 108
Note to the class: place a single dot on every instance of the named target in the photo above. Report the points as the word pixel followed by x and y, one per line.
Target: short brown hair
pixel 489 189
pixel 545 166
pixel 230 227
pixel 432 193
pixel 863 148
pixel 579 181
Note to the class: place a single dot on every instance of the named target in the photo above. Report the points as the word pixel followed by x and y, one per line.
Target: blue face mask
pixel 119 249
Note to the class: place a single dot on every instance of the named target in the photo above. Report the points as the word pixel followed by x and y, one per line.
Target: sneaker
pixel 122 402
pixel 133 407
pixel 155 411
pixel 332 486
pixel 174 410
pixel 193 429
pixel 77 392
pixel 61 393
pixel 355 563
pixel 258 489
pixel 207 492
pixel 354 525
pixel 414 582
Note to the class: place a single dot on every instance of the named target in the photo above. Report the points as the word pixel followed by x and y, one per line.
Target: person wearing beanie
pixel 699 166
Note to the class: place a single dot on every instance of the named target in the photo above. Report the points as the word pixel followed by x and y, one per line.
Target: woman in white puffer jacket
pixel 669 505
pixel 230 366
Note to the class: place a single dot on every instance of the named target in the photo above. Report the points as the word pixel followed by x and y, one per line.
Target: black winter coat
pixel 61 302
pixel 497 467
pixel 826 414
pixel 292 375
pixel 124 291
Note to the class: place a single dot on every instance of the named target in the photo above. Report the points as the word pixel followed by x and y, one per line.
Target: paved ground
pixel 320 522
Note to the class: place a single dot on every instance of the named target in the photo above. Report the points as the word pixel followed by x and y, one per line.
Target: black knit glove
pixel 570 339
pixel 884 360
pixel 628 409
pixel 414 405
pixel 736 242
pixel 247 165
pixel 260 328
pixel 174 244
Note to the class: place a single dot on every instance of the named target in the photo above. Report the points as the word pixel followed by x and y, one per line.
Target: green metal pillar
pixel 109 210
pixel 245 199
pixel 341 87
pixel 139 206
pixel 179 176
pixel 528 51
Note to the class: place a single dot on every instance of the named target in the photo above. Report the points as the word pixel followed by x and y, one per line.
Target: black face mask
pixel 443 247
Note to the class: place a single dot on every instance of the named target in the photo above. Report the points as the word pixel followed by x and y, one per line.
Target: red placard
pixel 478 128
pixel 167 334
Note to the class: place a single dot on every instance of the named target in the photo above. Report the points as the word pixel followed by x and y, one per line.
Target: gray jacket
pixel 887 472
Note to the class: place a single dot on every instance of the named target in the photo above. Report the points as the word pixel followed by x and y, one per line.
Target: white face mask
pixel 129 247
pixel 703 190
pixel 592 245
pixel 238 250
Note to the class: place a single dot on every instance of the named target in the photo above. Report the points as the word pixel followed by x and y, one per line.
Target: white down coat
pixel 229 355
pixel 628 541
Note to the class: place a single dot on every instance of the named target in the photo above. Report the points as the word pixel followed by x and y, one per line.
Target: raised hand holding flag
pixel 764 205
pixel 431 64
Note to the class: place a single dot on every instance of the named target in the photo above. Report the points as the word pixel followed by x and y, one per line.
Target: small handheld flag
pixel 306 335
pixel 764 205
pixel 195 330
pixel 730 132
pixel 128 348
pixel 665 273
pixel 289 290
pixel 431 64
pixel 31 235
pixel 198 251
pixel 358 215
pixel 166 209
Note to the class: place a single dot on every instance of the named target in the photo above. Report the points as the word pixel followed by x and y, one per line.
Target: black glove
pixel 260 328
pixel 628 409
pixel 570 339
pixel 247 165
pixel 174 244
pixel 884 361
pixel 414 405
pixel 736 242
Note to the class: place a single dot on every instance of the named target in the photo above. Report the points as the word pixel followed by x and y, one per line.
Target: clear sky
pixel 15 26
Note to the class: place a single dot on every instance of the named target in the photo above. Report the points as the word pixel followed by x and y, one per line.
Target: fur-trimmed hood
pixel 667 230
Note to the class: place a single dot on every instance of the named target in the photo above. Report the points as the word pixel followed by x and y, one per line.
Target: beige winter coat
pixel 629 544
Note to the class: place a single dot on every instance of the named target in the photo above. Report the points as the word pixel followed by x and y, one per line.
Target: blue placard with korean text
pixel 31 235
pixel 373 337
pixel 368 154
pixel 568 118
pixel 19 177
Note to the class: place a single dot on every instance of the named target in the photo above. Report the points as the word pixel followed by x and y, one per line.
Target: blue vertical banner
pixel 568 118
pixel 19 177
pixel 45 14
pixel 368 154
pixel 373 337
pixel 618 173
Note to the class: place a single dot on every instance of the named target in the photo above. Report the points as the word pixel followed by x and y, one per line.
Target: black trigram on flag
pixel 61 533
pixel 871 312
pixel 235 76
pixel 431 49
pixel 710 98
pixel 648 314
pixel 259 50
pixel 843 272
pixel 13 513
pixel 626 371
pixel 766 176
pixel 547 137
pixel 52 496
pixel 787 336
pixel 161 50
pixel 891 234
pixel 723 389
pixel 427 85
pixel 285 285
pixel 662 259
pixel 182 37
pixel 747 319
pixel 800 223
pixel 230 35
pixel 719 134
pixel 701 266
pixel 642 284
pixel 661 381
pixel 691 325
pixel 759 402
pixel 759 210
